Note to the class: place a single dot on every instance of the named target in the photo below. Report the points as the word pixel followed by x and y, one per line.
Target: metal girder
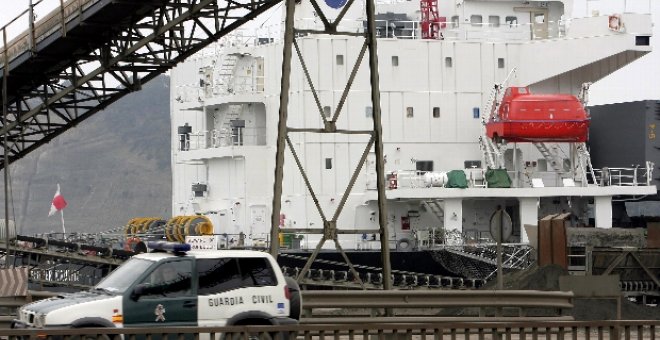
pixel 53 267
pixel 329 232
pixel 113 64
pixel 616 263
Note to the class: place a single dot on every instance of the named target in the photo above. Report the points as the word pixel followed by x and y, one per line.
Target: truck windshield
pixel 124 276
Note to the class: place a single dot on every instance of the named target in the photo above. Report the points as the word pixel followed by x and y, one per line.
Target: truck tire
pixel 296 306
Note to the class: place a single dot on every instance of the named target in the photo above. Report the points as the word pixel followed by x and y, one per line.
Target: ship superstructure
pixel 436 96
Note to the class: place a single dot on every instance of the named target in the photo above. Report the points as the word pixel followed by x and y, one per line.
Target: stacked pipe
pixel 177 228
pixel 137 228
pixel 143 225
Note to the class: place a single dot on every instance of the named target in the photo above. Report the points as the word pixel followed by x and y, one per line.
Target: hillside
pixel 111 167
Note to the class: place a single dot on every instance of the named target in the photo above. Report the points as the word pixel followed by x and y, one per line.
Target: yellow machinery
pixel 178 227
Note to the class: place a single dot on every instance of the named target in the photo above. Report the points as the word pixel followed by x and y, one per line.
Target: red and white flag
pixel 58 203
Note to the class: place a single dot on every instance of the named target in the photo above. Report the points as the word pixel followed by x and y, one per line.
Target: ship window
pixel 409 112
pixel 539 18
pixel 494 20
pixel 476 20
pixel 369 111
pixel 511 20
pixel 454 21
pixel 395 60
pixel 500 62
pixel 475 112
pixel 327 111
pixel 436 112
pixel 340 59
pixel 642 40
pixel 471 164
pixel 424 165
pixel 448 62
pixel 328 163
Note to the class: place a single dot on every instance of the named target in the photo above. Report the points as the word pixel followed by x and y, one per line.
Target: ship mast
pixel 329 231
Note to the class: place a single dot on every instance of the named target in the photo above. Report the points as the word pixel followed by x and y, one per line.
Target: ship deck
pixel 439 192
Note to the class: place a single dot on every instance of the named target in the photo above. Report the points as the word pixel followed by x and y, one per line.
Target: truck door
pixel 167 297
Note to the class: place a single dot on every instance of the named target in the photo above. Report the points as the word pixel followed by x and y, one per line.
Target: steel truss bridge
pixel 87 54
pixel 76 61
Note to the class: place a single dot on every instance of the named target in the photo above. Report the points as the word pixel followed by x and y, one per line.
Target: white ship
pixel 436 90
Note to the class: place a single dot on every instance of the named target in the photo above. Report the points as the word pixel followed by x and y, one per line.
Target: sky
pixel 637 81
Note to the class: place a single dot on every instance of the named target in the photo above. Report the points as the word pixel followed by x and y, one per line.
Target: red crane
pixel 431 22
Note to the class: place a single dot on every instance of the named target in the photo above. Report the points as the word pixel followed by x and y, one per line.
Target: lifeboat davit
pixel 526 117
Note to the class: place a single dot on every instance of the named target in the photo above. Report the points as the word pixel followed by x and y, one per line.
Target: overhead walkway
pixel 86 54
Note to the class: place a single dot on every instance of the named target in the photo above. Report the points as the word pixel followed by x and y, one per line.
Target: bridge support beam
pixel 288 135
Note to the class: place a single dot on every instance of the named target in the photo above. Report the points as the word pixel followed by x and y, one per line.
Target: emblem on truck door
pixel 160 313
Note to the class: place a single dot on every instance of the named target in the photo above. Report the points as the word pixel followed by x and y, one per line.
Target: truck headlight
pixel 39 320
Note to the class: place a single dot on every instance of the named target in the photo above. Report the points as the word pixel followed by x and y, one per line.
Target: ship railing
pixel 450 29
pixel 476 178
pixel 217 138
pixel 193 93
pixel 188 93
pixel 635 176
pixel 509 30
pixel 472 236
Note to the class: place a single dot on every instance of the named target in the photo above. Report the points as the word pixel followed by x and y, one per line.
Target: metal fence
pixel 557 330
pixel 424 305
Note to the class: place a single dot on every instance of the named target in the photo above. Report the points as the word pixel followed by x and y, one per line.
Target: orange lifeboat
pixel 526 117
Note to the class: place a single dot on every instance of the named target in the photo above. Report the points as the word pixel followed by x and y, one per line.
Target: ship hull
pixel 461 267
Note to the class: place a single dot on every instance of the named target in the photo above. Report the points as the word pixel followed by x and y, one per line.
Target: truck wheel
pixel 294 289
pixel 251 322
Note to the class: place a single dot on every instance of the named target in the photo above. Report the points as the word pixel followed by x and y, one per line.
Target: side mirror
pixel 138 291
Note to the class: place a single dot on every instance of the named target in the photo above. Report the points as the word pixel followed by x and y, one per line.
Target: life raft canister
pixel 614 22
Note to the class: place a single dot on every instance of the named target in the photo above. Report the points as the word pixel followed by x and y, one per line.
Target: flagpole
pixel 63 230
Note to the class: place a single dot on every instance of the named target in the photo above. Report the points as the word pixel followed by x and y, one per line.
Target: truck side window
pixel 257 272
pixel 169 279
pixel 217 275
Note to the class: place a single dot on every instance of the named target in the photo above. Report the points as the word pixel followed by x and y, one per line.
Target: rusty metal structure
pixel 375 136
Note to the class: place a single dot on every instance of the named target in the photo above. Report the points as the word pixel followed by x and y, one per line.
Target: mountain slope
pixel 111 167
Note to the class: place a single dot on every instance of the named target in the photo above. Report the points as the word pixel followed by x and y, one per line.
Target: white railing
pixel 476 178
pixel 193 93
pixel 636 176
pixel 215 138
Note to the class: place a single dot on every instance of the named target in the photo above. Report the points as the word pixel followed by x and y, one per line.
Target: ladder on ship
pixel 551 156
pixel 493 149
pixel 585 168
pixel 226 72
pixel 492 152
pixel 435 207
pixel 229 135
